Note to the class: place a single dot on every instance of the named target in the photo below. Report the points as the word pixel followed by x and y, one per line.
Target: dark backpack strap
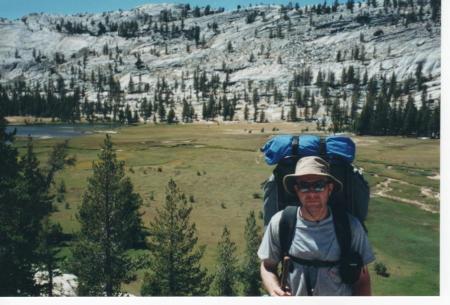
pixel 350 261
pixel 286 228
pixel 323 148
pixel 314 263
pixel 342 228
pixel 294 145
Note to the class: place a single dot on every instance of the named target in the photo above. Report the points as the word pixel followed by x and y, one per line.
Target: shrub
pixel 256 196
pixel 381 269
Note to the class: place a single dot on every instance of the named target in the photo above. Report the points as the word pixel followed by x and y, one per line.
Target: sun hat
pixel 311 165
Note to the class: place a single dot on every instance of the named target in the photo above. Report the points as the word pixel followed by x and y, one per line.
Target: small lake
pixel 60 130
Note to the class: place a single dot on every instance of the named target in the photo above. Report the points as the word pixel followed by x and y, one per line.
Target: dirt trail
pixel 384 187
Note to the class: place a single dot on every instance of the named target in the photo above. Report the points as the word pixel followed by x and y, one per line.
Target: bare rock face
pixel 63 284
pixel 260 47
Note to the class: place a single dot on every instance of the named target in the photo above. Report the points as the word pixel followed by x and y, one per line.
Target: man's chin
pixel 316 211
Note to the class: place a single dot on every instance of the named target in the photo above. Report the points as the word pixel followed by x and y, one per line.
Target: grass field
pixel 220 166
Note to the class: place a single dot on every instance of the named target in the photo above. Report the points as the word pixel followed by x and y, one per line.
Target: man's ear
pixel 331 185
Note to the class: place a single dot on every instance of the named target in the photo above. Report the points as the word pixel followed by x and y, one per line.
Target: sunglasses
pixel 316 186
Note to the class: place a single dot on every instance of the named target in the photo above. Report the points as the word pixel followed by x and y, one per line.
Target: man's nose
pixel 310 194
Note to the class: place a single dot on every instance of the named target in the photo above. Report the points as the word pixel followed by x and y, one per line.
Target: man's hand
pixel 270 279
pixel 362 287
pixel 278 292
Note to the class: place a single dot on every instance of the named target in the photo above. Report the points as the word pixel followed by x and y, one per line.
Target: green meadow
pixel 221 169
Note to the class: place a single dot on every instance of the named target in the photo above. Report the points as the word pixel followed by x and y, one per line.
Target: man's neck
pixel 304 213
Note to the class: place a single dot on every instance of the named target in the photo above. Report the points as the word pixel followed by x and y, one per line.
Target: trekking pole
pixel 284 273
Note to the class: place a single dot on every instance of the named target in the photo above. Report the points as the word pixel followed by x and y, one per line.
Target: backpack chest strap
pixel 314 263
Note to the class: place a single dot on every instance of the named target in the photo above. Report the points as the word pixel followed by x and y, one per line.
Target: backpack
pixel 285 151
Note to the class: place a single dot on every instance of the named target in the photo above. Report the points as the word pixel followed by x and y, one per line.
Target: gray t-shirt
pixel 315 240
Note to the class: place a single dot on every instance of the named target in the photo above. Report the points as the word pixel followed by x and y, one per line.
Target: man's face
pixel 314 199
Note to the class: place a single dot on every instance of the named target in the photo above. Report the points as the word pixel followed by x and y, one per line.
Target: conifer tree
pixel 50 237
pixel 336 116
pixel 255 112
pixel 423 120
pixel 24 203
pixel 175 258
pixel 393 119
pixel 293 113
pixel 435 122
pixel 110 224
pixel 410 118
pixel 204 111
pixel 250 276
pixel 225 276
pixel 171 116
pixel 161 111
pixel 380 122
pixel 246 112
pixel 262 117
pixel 364 120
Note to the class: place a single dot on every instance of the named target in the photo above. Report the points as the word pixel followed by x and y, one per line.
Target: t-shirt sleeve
pixel 360 241
pixel 270 245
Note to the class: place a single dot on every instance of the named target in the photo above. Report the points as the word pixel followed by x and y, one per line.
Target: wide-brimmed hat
pixel 311 165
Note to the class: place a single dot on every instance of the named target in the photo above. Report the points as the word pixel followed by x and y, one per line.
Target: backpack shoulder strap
pixel 294 145
pixel 323 148
pixel 286 229
pixel 343 230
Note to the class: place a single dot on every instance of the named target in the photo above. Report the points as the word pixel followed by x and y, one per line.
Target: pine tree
pixel 423 120
pixel 365 119
pixel 418 74
pixel 252 58
pixel 185 113
pixel 380 122
pixel 139 63
pixel 224 282
pixel 131 85
pixel 50 238
pixel 246 112
pixel 435 10
pixel 262 117
pixel 336 116
pixel 110 224
pixel 250 276
pixel 204 111
pixel 392 119
pixel 410 118
pixel 24 203
pixel 175 265
pixel 293 113
pixel 161 111
pixel 171 116
pixel 435 122
pixel 229 47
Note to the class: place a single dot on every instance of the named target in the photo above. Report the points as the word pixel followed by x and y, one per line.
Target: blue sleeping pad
pixel 337 148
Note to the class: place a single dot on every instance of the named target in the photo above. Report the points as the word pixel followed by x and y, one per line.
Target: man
pixel 314 238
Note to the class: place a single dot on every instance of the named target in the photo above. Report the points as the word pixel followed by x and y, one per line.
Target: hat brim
pixel 290 180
